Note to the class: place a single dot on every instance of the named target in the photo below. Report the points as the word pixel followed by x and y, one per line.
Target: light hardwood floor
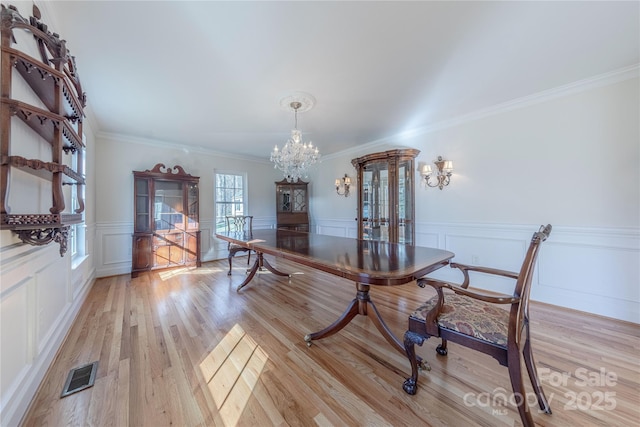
pixel 181 347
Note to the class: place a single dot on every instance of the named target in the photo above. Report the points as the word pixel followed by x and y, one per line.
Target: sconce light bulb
pixel 448 166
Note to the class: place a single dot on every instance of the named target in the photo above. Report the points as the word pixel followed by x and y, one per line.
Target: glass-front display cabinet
pixel 386 188
pixel 292 205
pixel 166 223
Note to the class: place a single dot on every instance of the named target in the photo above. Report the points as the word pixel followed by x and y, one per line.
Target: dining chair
pixel 238 223
pixel 472 319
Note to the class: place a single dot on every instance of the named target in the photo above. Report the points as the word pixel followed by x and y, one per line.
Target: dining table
pixel 366 263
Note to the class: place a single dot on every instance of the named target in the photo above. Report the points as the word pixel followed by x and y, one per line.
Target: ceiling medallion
pixel 306 101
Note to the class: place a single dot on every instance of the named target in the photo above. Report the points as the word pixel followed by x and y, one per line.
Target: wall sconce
pixel 342 186
pixel 443 173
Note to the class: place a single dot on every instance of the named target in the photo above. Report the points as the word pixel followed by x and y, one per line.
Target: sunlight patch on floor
pixel 231 371
pixel 168 274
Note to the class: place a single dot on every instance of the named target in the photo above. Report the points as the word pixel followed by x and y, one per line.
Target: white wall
pixel 40 291
pixel 118 156
pixel 570 159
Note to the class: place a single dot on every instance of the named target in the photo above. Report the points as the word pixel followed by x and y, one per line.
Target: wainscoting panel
pixel 14 332
pixel 113 259
pixel 52 292
pixel 39 298
pixel 429 240
pixel 578 268
pixel 336 227
pixel 584 268
pixel 206 242
pixel 112 245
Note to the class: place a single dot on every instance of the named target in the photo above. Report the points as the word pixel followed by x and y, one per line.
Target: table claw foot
pixel 307 339
pixel 423 365
pixel 409 386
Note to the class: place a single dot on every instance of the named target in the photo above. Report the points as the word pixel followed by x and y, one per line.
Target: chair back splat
pixel 471 318
pixel 238 224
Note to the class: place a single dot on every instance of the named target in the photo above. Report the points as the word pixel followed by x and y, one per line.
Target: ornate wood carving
pixel 161 170
pixel 31 219
pixel 55 81
pixel 44 236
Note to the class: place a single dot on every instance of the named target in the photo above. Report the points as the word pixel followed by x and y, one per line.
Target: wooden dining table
pixel 365 262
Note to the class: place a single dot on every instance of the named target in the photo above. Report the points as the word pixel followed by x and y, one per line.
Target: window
pixel 230 196
pixel 77 231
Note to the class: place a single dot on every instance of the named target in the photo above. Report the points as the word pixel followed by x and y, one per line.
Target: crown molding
pixel 600 80
pixel 187 149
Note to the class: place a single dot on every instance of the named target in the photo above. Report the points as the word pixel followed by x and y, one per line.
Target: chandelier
pixel 296 157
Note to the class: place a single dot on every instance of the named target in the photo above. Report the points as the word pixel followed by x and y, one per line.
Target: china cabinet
pixel 166 219
pixel 292 205
pixel 386 188
pixel 42 104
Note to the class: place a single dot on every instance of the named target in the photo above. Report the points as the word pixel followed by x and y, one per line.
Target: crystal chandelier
pixel 296 157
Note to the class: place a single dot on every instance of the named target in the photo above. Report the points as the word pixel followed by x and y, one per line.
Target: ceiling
pixel 211 74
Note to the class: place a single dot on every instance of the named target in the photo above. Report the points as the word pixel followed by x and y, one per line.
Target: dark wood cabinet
pixel 292 205
pixel 141 253
pixel 54 154
pixel 166 219
pixel 386 189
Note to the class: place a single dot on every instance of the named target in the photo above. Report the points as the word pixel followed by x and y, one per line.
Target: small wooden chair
pixel 238 223
pixel 466 318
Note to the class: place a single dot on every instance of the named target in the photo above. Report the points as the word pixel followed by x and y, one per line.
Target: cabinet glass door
pixel 284 199
pixel 375 209
pixel 405 202
pixel 143 218
pixel 299 200
pixel 386 208
pixel 192 206
pixel 168 206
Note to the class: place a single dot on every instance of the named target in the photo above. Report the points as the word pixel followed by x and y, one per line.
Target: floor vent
pixel 80 378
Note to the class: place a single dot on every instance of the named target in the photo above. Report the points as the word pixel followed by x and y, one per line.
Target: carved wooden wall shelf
pixel 54 80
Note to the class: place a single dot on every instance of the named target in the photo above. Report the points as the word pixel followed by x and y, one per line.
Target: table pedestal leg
pixel 258 265
pixel 363 305
pixel 360 305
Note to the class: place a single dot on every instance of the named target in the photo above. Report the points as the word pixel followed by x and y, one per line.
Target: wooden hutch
pixel 166 219
pixel 292 205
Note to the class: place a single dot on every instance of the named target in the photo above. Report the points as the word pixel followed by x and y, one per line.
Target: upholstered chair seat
pixel 470 317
